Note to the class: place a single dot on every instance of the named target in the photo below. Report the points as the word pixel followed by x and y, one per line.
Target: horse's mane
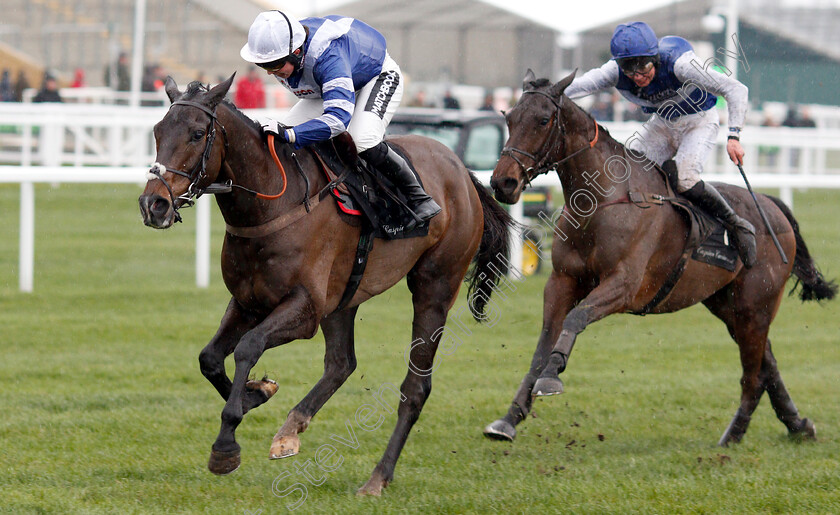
pixel 196 88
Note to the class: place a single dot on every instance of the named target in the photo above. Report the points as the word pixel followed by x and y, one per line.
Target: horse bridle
pixel 199 171
pixel 540 166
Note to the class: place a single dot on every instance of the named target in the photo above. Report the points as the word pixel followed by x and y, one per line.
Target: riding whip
pixel 763 216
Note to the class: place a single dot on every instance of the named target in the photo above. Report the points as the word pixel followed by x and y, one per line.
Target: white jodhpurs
pixel 688 140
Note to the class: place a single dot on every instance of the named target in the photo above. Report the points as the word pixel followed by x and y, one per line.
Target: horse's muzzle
pixel 506 189
pixel 157 211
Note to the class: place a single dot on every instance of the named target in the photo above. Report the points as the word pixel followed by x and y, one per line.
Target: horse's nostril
pixel 160 207
pixel 506 184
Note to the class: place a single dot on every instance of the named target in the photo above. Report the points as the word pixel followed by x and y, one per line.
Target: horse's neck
pixel 607 171
pixel 249 164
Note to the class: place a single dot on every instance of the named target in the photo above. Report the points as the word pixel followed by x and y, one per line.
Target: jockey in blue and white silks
pixel 667 79
pixel 340 70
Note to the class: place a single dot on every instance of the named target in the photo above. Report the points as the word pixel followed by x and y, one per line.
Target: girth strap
pixel 645 200
pixel 359 264
pixel 670 282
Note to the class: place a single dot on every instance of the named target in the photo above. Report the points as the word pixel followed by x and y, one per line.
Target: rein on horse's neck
pixel 283 201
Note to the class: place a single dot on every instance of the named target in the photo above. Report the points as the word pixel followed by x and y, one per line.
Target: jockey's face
pixel 281 68
pixel 640 70
pixel 643 79
pixel 284 72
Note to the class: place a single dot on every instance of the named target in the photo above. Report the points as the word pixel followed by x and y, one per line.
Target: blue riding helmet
pixel 635 39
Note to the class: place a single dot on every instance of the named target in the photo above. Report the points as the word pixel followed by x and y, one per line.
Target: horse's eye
pixel 545 121
pixel 197 135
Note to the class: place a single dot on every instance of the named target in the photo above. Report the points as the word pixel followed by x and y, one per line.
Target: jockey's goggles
pixel 636 66
pixel 274 66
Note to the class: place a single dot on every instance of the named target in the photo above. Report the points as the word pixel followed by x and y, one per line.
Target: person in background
pixel 340 70
pixel 21 85
pixel 664 78
pixel 420 100
pixel 118 77
pixel 78 79
pixel 49 90
pixel 250 91
pixel 7 89
pixel 488 104
pixel 450 102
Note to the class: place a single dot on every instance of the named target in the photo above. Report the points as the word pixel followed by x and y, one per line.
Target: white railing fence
pixel 93 143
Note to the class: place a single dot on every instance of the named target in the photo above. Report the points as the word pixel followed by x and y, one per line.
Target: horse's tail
pixel 814 285
pixel 491 262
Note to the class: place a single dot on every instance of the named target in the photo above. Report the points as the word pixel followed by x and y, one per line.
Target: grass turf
pixel 105 410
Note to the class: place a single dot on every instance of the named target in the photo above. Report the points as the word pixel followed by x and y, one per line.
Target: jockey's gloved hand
pixel 287 134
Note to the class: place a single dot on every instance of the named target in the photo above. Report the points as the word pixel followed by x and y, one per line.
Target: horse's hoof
pixel 500 430
pixel 266 386
pixel 547 386
pixel 729 437
pixel 223 463
pixel 284 447
pixel 807 431
pixel 373 486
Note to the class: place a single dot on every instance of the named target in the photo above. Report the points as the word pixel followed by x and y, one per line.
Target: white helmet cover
pixel 268 37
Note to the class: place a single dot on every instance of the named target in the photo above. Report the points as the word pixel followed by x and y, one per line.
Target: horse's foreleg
pixel 558 299
pixel 611 296
pixel 339 363
pixel 292 319
pixel 234 324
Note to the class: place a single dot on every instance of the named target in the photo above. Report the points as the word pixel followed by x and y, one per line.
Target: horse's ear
pixel 529 78
pixel 218 92
pixel 171 88
pixel 560 87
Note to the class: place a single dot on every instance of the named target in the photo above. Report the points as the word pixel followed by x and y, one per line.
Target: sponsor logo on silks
pixel 303 92
pixel 658 96
pixel 384 89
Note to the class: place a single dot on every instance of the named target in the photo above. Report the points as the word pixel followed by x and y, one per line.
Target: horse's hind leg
pixel 749 329
pixel 234 324
pixel 432 296
pixel 558 299
pixel 339 363
pixel 780 399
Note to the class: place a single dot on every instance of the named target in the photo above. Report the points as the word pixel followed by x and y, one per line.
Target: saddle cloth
pixel 717 249
pixel 363 191
pixel 707 242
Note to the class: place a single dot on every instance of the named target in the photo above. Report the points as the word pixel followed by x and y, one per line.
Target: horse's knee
pixel 209 362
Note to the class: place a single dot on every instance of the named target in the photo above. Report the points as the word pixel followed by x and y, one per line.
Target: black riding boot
pixel 393 166
pixel 707 197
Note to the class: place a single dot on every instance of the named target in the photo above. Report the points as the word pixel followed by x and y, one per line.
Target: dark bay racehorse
pixel 611 256
pixel 286 260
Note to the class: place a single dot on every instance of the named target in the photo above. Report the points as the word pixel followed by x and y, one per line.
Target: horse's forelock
pixel 540 83
pixel 194 88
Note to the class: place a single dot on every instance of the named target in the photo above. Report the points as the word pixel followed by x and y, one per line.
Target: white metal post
pixel 731 36
pixel 27 236
pixel 137 54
